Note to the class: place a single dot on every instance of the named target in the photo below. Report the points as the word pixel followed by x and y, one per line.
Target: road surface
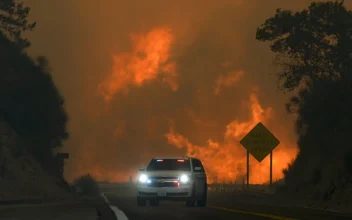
pixel 92 209
pixel 220 207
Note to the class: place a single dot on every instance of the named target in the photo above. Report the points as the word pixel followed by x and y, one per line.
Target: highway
pixel 224 206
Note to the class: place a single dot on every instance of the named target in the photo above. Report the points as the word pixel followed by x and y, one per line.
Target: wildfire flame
pixel 149 58
pixel 227 80
pixel 226 162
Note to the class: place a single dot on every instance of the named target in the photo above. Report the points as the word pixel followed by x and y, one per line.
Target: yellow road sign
pixel 259 142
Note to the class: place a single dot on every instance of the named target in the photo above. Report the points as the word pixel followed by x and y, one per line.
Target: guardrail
pixel 238 188
pixel 216 187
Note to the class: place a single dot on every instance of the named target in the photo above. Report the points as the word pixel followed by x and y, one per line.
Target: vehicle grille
pixel 163 177
pixel 163 181
pixel 164 184
pixel 168 194
pixel 177 194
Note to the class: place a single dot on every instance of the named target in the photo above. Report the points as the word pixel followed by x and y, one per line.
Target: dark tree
pixel 14 21
pixel 314 47
pixel 314 43
pixel 29 99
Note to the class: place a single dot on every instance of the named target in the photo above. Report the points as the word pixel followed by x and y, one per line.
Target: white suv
pixel 172 178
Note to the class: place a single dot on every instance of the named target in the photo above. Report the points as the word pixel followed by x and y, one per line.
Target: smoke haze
pixel 158 78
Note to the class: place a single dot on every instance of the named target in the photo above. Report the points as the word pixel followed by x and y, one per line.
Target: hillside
pixel 21 176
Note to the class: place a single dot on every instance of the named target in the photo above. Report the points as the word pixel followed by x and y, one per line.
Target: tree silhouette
pixel 29 99
pixel 314 47
pixel 314 43
pixel 14 21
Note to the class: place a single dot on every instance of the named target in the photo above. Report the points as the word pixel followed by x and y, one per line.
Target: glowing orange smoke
pixel 227 80
pixel 226 162
pixel 102 174
pixel 149 58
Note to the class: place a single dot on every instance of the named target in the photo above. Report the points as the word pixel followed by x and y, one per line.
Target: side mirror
pixel 197 168
pixel 141 169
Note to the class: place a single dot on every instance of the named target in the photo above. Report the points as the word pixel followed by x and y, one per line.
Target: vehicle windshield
pixel 169 164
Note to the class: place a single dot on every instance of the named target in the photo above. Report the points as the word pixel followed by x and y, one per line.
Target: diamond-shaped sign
pixel 259 142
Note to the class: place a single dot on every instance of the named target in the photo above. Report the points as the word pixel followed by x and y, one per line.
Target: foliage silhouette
pixel 14 21
pixel 87 184
pixel 314 43
pixel 29 99
pixel 314 47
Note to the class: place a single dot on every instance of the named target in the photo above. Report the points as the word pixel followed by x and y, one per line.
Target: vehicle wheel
pixel 191 202
pixel 203 202
pixel 141 202
pixel 154 202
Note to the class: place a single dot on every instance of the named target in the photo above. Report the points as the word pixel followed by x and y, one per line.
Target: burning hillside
pixel 226 161
pixel 149 86
pixel 149 58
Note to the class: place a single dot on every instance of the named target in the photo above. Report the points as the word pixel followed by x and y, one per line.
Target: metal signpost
pixel 260 142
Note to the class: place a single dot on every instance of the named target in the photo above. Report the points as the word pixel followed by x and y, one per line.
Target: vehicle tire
pixel 203 202
pixel 191 202
pixel 141 202
pixel 154 202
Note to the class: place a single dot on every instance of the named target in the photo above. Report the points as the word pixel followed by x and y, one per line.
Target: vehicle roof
pixel 180 157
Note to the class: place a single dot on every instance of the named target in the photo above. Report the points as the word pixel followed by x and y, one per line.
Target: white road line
pixel 118 213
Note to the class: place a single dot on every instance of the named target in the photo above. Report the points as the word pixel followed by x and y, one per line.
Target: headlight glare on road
pixel 184 179
pixel 143 178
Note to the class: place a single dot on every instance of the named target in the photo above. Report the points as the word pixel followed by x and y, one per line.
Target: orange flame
pixel 149 58
pixel 226 162
pixel 227 80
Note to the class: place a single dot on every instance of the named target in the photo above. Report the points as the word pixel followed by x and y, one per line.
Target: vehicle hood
pixel 170 173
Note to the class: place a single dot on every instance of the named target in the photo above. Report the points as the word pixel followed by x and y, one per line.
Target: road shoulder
pixel 88 208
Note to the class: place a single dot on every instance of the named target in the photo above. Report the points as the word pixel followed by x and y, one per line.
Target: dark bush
pixel 87 184
pixel 348 162
pixel 316 176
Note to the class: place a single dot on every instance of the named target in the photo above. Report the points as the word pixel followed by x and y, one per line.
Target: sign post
pixel 271 170
pixel 260 142
pixel 247 169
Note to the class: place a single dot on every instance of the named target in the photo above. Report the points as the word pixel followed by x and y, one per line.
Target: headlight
pixel 143 178
pixel 184 179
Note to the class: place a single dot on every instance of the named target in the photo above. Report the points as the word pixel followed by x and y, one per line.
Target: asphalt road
pixel 81 209
pixel 220 206
pixel 63 211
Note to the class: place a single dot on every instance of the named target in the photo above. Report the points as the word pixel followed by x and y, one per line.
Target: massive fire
pixel 226 162
pixel 149 58
pixel 227 80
